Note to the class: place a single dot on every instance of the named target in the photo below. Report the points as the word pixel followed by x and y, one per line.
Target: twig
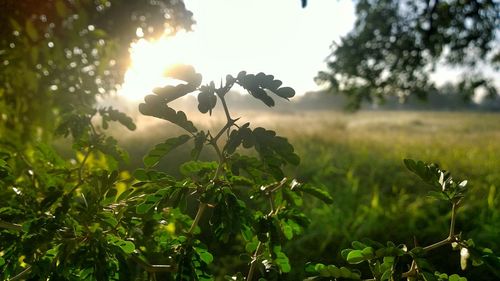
pixel 253 263
pixel 22 274
pixel 453 219
pixel 199 214
pixel 153 267
pixel 448 240
pixel 436 245
pixel 10 226
pixel 226 110
pixel 80 172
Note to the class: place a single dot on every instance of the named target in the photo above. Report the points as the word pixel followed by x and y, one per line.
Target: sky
pixel 276 37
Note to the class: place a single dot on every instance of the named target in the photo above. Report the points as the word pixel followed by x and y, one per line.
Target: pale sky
pixel 277 37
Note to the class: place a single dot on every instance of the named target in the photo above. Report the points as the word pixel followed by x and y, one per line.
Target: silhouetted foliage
pixel 395 45
pixel 57 56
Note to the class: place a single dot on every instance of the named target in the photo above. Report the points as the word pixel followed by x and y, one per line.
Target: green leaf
pixel 2 261
pixel 311 267
pixel 345 252
pixel 368 252
pixel 151 176
pixel 204 255
pixel 126 246
pixel 287 231
pixel 143 208
pixel 155 107
pixel 429 276
pixel 456 277
pixel 167 94
pixel 285 92
pixel 111 114
pixel 317 192
pixel 386 275
pixel 410 164
pixel 274 151
pixel 358 245
pixel 199 140
pixel 281 260
pixel 109 218
pixel 438 195
pixel 207 99
pixel 151 200
pixel 334 271
pixel 197 168
pixel 162 149
pixel 243 135
pixel 257 85
pixel 355 257
pixel 429 173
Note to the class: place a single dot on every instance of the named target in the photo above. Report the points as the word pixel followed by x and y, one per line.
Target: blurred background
pixel 376 82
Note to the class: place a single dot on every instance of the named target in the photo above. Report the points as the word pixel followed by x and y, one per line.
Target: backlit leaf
pixel 355 256
pixel 162 149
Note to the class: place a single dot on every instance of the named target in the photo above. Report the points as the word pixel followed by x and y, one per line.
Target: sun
pixel 150 59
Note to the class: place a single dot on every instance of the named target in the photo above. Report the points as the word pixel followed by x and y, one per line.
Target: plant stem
pixel 153 267
pixel 438 244
pixel 453 219
pixel 22 274
pixel 201 210
pixel 253 263
pixel 10 226
pixel 226 110
pixel 80 172
pixel 272 212
pixel 450 239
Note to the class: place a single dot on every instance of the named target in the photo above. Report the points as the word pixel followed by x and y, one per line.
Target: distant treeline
pixel 446 98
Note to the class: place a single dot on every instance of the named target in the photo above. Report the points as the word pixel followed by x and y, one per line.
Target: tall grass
pixel 358 159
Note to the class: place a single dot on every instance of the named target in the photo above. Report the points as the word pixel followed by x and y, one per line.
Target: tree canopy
pixel 395 45
pixel 57 56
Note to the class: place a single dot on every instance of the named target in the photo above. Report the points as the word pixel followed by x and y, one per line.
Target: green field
pixel 358 159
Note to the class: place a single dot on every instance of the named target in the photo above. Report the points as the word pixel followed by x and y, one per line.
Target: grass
pixel 358 159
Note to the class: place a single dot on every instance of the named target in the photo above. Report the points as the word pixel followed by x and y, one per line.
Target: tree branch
pixel 153 267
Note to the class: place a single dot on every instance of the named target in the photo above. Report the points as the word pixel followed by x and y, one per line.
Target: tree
pixel 57 56
pixel 395 45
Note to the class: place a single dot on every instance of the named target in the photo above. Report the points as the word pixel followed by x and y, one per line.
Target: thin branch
pixel 438 244
pixel 153 267
pixel 228 125
pixel 448 240
pixel 201 209
pixel 452 220
pixel 80 172
pixel 412 271
pixel 280 185
pixel 253 263
pixel 22 274
pixel 273 211
pixel 10 226
pixel 226 110
pixel 203 206
pixel 271 203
